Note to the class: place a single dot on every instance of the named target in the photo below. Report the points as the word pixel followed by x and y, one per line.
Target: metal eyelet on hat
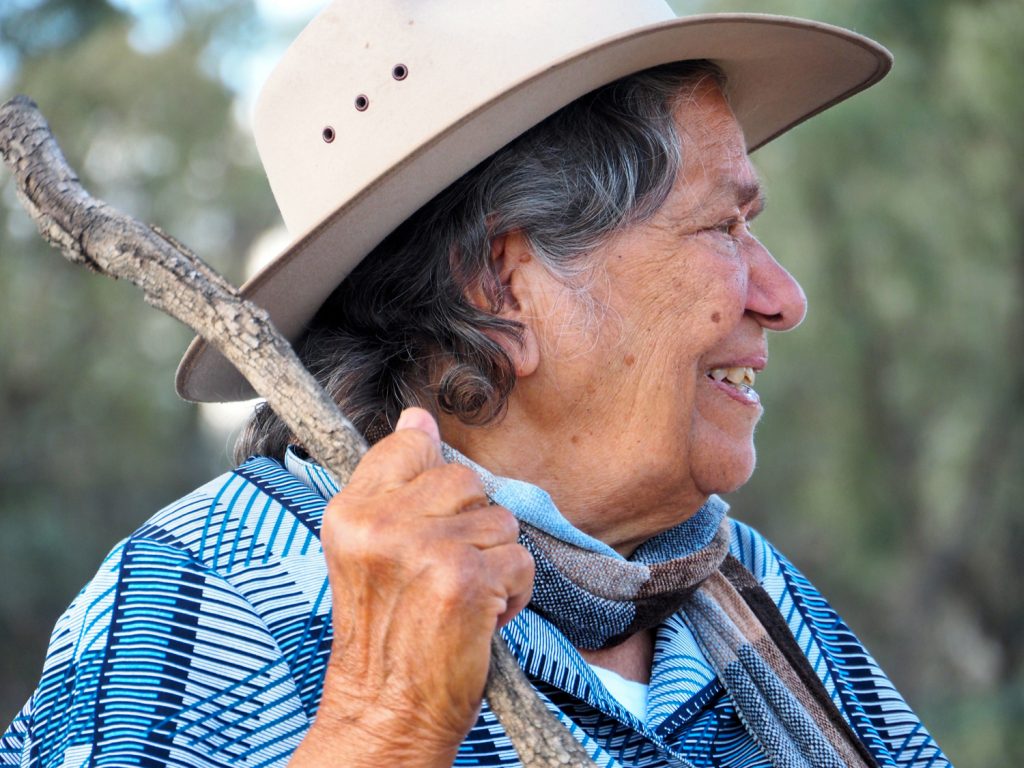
pixel 399 71
pixel 362 102
pixel 328 134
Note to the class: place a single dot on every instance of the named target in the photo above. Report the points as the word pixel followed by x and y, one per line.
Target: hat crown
pixel 367 83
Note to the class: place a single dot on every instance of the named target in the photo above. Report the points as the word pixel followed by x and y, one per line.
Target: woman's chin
pixel 725 472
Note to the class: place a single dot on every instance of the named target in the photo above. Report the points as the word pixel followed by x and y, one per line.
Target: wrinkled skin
pixel 422 573
pixel 625 429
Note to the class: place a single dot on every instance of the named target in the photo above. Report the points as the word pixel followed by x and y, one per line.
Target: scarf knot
pixel 597 599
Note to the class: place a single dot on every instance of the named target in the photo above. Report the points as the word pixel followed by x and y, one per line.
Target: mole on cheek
pixel 575 439
pixel 716 317
pixel 629 359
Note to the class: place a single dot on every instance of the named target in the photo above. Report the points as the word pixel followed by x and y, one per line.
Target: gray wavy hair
pixel 400 330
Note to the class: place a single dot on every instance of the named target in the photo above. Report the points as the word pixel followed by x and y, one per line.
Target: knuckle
pixel 463 477
pixel 506 523
pixel 360 527
pixel 349 527
pixel 454 577
pixel 339 510
pixel 498 525
pixel 452 482
pixel 522 560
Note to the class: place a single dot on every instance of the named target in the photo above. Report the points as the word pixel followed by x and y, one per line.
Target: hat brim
pixel 780 71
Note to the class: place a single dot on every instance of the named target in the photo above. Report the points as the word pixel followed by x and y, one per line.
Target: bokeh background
pixel 892 450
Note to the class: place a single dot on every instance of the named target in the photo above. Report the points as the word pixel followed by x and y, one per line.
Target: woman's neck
pixel 620 497
pixel 632 659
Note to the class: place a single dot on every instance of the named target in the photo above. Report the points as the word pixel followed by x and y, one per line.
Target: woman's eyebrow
pixel 757 203
pixel 733 192
pixel 728 193
pixel 748 192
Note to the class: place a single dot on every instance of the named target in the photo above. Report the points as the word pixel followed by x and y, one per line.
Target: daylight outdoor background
pixel 893 444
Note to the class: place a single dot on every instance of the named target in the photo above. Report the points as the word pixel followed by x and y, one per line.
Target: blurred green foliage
pixel 892 449
pixel 893 443
pixel 94 437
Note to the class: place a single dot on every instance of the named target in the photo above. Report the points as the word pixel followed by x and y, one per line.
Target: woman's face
pixel 651 398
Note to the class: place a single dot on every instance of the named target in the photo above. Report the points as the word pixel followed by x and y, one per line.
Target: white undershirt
pixel 629 693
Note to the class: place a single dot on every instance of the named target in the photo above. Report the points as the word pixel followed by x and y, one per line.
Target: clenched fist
pixel 422 572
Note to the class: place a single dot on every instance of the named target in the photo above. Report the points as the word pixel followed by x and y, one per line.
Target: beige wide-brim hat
pixel 381 104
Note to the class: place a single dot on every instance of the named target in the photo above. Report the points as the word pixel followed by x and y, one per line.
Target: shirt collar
pixel 309 473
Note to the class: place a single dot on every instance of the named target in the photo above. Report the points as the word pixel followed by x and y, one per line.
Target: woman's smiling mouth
pixel 737 382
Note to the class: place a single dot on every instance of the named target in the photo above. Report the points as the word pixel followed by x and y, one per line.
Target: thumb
pixel 419 418
pixel 413 448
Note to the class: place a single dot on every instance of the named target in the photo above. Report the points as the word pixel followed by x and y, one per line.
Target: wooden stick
pixel 172 278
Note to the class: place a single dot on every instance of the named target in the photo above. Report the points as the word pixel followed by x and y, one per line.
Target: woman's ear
pixel 517 273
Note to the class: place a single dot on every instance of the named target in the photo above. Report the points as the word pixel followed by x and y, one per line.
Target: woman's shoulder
pixel 256 511
pixel 757 554
pixel 808 613
pixel 217 597
pixel 851 676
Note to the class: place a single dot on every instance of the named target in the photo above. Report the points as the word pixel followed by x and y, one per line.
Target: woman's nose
pixel 774 297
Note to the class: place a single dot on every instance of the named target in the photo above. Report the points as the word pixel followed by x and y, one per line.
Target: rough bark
pixel 537 736
pixel 172 278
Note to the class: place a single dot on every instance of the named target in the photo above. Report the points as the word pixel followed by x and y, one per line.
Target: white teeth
pixel 736 375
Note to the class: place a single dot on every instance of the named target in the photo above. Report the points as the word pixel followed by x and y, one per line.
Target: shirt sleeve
pixel 159 661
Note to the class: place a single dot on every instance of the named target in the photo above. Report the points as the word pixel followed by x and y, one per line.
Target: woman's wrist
pixel 370 742
pixel 357 730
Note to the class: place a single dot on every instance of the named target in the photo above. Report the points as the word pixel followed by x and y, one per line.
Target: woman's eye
pixel 730 228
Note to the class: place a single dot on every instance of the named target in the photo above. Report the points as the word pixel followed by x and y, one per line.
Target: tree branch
pixel 172 278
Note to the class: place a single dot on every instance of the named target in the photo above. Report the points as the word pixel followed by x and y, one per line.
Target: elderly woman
pixel 527 274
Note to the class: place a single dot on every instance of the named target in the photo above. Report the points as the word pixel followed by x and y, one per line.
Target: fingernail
pixel 417 418
pixel 403 420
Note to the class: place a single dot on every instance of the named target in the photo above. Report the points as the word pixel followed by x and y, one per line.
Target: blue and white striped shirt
pixel 203 640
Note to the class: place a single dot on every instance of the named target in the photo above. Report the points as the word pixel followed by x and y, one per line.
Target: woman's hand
pixel 422 572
